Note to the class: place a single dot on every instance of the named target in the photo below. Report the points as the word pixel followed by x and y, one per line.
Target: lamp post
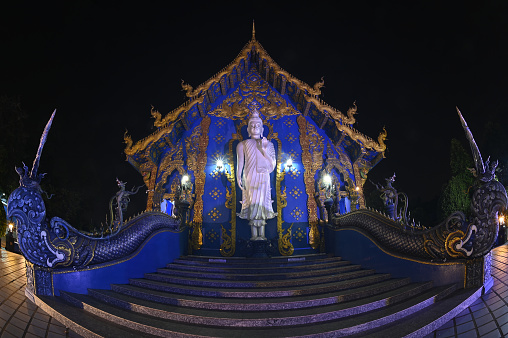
pixel 183 200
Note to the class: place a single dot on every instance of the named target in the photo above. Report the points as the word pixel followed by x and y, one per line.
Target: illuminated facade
pixel 317 138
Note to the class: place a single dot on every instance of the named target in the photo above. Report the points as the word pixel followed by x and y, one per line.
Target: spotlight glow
pixel 327 179
pixel 220 164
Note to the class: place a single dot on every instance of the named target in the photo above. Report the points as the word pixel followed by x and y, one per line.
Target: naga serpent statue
pixel 54 243
pixel 456 237
pixel 391 197
pixel 118 205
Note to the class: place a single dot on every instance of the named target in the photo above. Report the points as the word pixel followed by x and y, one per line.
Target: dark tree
pixel 456 193
pixel 14 139
pixel 3 222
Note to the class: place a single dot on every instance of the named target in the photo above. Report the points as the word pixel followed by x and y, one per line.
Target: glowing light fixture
pixel 327 179
pixel 289 163
pixel 501 219
pixel 11 226
pixel 185 179
pixel 220 164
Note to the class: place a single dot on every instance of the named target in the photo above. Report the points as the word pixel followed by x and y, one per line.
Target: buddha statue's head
pixel 255 125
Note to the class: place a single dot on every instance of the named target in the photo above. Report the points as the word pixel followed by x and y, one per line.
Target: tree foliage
pixel 14 136
pixel 456 193
pixel 3 221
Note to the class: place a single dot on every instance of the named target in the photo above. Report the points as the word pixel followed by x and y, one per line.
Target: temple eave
pixel 254 56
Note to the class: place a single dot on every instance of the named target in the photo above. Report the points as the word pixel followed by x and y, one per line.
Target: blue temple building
pixel 205 130
pixel 187 266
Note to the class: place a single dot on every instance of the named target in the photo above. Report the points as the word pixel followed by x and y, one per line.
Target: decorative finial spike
pixel 253 31
pixel 477 157
pixel 44 136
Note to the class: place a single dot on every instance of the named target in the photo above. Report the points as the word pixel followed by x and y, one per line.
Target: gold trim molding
pixel 196 145
pixel 312 160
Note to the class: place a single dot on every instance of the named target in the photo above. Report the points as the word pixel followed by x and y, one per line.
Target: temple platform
pixel 19 317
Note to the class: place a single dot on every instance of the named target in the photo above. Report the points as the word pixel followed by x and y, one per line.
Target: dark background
pixel 103 66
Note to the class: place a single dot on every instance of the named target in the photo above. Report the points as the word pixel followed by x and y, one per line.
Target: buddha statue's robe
pixel 256 196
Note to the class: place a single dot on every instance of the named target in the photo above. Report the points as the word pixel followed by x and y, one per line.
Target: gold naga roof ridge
pixel 347 121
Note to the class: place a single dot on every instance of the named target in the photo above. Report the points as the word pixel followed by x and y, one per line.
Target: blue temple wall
pixel 354 246
pixel 155 253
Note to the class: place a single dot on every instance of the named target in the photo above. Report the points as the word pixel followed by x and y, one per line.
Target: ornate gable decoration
pixel 252 73
pixel 254 93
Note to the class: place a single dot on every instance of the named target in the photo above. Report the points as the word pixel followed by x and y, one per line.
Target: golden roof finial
pixel 253 31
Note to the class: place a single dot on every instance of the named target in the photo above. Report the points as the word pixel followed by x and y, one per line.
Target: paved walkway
pixel 19 317
pixel 488 316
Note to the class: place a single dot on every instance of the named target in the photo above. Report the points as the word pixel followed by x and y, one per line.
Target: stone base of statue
pixel 259 249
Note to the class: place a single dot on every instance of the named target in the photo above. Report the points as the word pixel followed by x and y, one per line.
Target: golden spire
pixel 253 31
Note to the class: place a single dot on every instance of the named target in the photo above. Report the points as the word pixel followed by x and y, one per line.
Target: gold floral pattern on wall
pixel 215 193
pixel 297 213
pixel 214 214
pixel 212 235
pixel 299 235
pixel 295 192
pixel 218 138
pixel 294 173
pixel 291 138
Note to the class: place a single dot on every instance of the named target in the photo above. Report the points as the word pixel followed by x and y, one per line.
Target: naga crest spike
pixel 477 156
pixel 44 137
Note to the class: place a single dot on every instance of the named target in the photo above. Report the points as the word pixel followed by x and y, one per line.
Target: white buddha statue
pixel 255 161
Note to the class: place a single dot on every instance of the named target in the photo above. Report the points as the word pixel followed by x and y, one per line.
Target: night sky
pixel 103 66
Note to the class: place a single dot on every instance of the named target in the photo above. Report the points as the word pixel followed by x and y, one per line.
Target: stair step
pixel 253 263
pixel 85 323
pixel 254 283
pixel 260 304
pixel 260 292
pixel 256 276
pixel 305 296
pixel 242 269
pixel 427 320
pixel 260 318
pixel 339 327
pixel 274 259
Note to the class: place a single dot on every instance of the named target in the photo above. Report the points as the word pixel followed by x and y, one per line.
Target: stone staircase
pixel 310 296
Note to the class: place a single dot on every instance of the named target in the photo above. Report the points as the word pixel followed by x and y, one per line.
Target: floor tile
pixel 486 328
pixel 6 334
pixel 463 319
pixel 493 334
pixel 465 327
pixel 14 330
